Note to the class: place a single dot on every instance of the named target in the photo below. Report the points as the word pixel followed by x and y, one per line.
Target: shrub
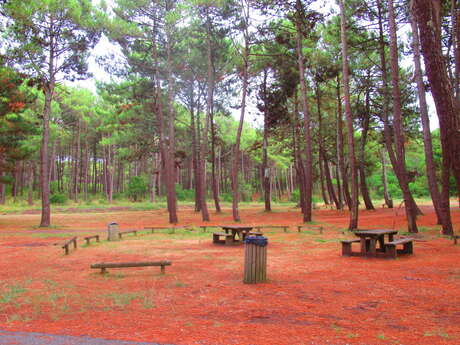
pixel 184 194
pixel 137 188
pixel 58 198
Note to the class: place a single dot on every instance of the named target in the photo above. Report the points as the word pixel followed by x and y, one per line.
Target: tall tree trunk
pixel 30 183
pixel 321 154
pixel 411 212
pixel 386 193
pixel 308 170
pixel 427 142
pixel 351 146
pixel 427 15
pixel 362 163
pixel 245 77
pixel 265 167
pixel 387 128
pixel 343 189
pixel 45 220
pixel 215 171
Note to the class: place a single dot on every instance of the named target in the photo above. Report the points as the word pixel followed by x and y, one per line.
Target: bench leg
pixel 75 244
pixel 229 240
pixel 215 238
pixel 103 270
pixel 408 248
pixel 97 239
pixel 162 269
pixel 346 249
pixel 66 248
pixel 390 251
pixel 455 239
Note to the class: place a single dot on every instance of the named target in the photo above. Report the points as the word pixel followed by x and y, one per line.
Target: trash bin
pixel 255 259
pixel 112 232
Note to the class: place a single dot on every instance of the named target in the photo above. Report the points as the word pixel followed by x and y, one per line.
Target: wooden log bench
pixel 284 227
pixel 391 251
pixel 455 238
pixel 120 234
pixel 153 228
pixel 310 227
pixel 105 265
pixel 67 244
pixel 88 238
pixel 216 238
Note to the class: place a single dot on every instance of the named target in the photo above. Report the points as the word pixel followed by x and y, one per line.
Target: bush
pixel 58 198
pixel 137 188
pixel 184 194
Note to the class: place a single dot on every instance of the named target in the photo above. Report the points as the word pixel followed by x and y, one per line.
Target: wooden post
pixel 255 260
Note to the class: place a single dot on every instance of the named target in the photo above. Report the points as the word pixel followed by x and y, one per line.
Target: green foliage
pixel 184 194
pixel 137 188
pixel 58 198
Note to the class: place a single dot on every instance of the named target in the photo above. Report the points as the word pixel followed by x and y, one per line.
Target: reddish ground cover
pixel 314 296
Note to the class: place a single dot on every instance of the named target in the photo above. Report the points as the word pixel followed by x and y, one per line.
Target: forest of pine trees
pixel 230 101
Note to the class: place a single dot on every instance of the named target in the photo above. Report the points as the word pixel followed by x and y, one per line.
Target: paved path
pixel 26 338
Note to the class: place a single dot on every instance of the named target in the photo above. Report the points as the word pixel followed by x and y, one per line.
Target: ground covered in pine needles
pixel 314 295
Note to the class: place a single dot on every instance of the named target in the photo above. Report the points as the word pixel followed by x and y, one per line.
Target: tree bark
pixel 308 169
pixel 351 146
pixel 245 77
pixel 411 212
pixel 427 15
pixel 265 167
pixel 45 220
pixel 427 142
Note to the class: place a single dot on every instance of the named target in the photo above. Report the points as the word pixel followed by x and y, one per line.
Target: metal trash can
pixel 255 259
pixel 112 232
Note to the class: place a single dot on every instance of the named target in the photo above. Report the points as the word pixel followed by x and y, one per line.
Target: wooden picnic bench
pixel 66 245
pixel 455 238
pixel 216 238
pixel 121 233
pixel 104 265
pixel 346 247
pixel 310 227
pixel 284 227
pixel 88 238
pixel 391 251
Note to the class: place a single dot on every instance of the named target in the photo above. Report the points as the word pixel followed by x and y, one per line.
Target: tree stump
pixel 255 259
pixel 112 232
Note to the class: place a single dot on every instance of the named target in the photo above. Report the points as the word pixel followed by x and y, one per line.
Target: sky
pixel 252 116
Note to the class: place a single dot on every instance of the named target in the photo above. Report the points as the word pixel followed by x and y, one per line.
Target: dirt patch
pixel 313 296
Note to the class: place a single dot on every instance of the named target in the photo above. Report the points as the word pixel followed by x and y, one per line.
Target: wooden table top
pixel 236 227
pixel 375 232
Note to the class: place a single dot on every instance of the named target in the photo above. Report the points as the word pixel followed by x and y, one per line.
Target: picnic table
pixel 369 239
pixel 239 230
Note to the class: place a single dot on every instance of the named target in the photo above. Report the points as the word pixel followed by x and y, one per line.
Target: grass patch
pixel 12 293
pixel 49 235
pixel 123 298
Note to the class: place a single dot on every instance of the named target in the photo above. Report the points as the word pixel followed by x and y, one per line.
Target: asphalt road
pixel 26 338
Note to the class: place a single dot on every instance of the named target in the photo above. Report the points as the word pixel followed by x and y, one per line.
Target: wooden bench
pixel 391 251
pixel 310 227
pixel 346 247
pixel 228 238
pixel 104 265
pixel 153 228
pixel 88 238
pixel 284 227
pixel 120 234
pixel 455 238
pixel 68 243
